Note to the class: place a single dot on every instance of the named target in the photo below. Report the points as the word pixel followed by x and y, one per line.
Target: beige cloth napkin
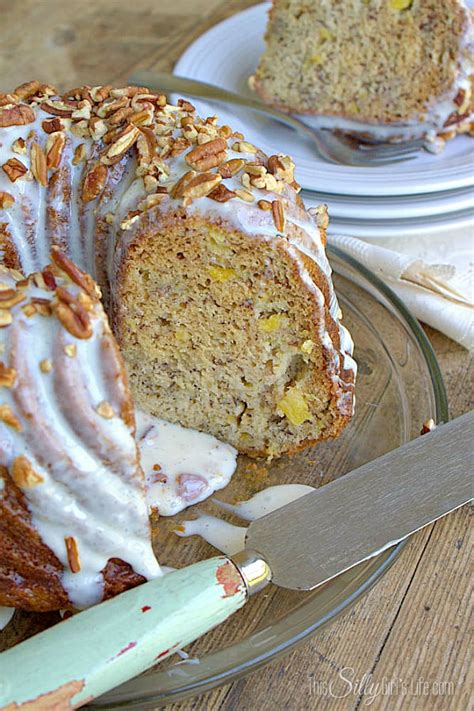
pixel 439 294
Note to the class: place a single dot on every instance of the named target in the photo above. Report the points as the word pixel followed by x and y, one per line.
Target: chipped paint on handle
pixel 94 651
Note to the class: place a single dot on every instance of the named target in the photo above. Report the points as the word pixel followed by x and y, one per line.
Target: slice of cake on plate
pixel 378 63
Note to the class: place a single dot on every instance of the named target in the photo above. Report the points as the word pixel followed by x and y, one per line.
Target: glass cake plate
pixel 399 387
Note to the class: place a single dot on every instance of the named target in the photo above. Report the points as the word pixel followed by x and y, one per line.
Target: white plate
pixel 450 238
pixel 449 226
pixel 227 54
pixel 394 208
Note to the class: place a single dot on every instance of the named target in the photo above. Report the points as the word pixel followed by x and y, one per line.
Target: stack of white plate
pixel 430 196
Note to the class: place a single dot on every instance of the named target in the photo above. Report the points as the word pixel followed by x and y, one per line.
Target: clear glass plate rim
pixel 371 573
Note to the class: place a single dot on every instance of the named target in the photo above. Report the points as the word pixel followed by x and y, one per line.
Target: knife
pixel 298 546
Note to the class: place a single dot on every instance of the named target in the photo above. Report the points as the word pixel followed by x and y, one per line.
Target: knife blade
pixel 299 546
pixel 328 531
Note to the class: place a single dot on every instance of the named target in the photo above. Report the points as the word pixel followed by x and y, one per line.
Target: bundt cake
pixel 214 275
pixel 73 516
pixel 376 62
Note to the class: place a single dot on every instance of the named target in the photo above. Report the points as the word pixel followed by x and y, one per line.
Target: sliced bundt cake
pixel 214 274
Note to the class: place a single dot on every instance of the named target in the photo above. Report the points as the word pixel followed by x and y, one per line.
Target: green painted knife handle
pixel 78 659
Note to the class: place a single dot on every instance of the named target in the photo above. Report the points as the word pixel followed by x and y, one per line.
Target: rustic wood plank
pixel 389 632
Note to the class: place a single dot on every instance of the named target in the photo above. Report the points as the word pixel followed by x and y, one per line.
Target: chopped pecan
pixel 7 376
pixel 72 315
pixel 23 473
pixel 25 91
pixel 120 115
pixel 428 426
pixel 278 215
pixel 186 105
pixel 82 111
pixel 45 365
pixel 49 279
pixel 121 145
pixel 146 145
pixel 177 189
pixel 56 108
pixel 18 115
pixel 231 167
pixel 179 145
pixel 9 418
pixel 144 117
pixel 19 146
pixel 94 182
pixel 221 193
pixel 6 200
pixel 5 319
pixel 100 93
pixel 282 167
pixel 38 164
pixel 54 149
pixel 129 220
pixel 245 195
pixel 79 154
pixel 105 410
pixel 15 169
pixel 41 306
pixel 201 185
pixel 244 147
pixel 207 155
pixel 109 106
pixel 70 350
pixel 255 169
pixel 74 273
pixel 320 215
pixel 72 554
pixel 52 125
pixel 97 128
pixel 10 297
pixel 225 132
pixel 150 201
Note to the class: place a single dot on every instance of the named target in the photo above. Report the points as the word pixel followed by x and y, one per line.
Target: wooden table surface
pixel 407 641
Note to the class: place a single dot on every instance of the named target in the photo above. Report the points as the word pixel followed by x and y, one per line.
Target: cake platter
pixel 399 387
pixel 448 204
pixel 227 54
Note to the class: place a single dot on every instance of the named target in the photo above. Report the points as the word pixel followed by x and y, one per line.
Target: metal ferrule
pixel 254 570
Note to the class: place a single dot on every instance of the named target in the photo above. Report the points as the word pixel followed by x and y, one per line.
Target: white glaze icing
pixel 266 501
pixel 221 534
pixel 181 466
pixel 92 487
pixel 6 614
pixel 230 539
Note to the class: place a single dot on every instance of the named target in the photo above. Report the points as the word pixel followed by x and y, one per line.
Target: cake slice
pixel 380 63
pixel 223 304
